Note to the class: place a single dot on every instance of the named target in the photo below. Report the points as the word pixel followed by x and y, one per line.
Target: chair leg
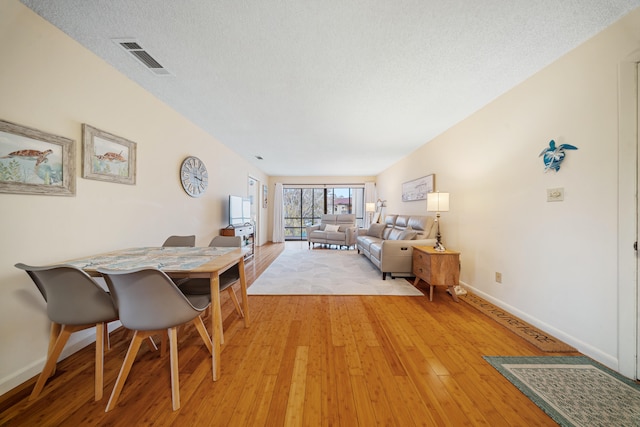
pixel 175 381
pixel 53 336
pixel 138 337
pixel 181 329
pixel 100 337
pixel 107 337
pixel 202 330
pixel 221 328
pixel 52 357
pixel 149 340
pixel 163 344
pixel 151 343
pixel 234 298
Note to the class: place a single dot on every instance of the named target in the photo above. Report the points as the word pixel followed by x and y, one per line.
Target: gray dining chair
pixel 185 241
pixel 179 241
pixel 138 294
pixel 74 302
pixel 227 279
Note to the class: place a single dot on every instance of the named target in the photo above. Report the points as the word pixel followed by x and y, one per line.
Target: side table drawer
pixel 421 265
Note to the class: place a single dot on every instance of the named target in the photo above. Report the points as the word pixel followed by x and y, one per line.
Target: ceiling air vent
pixel 134 48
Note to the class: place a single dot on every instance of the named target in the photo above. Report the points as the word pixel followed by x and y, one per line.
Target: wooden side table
pixel 436 268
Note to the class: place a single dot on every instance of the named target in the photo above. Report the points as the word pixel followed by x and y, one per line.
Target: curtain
pixel 278 214
pixel 369 197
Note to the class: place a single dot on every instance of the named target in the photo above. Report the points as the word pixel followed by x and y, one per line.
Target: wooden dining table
pixel 181 262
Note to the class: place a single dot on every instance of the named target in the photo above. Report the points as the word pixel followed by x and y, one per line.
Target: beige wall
pixel 559 260
pixel 51 83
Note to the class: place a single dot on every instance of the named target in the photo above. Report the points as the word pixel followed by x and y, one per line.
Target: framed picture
pixel 265 194
pixel 35 162
pixel 418 188
pixel 107 157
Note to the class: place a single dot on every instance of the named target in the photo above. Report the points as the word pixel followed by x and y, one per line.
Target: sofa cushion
pixel 375 250
pixel 390 220
pixel 375 230
pixel 334 236
pixel 402 221
pixel 331 227
pixel 420 223
pixel 394 234
pixel 365 241
pixel 346 219
pixel 408 235
pixel 386 232
pixel 329 218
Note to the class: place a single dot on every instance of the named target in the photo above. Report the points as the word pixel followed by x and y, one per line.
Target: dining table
pixel 180 262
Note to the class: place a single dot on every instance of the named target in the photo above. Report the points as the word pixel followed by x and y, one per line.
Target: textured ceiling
pixel 331 87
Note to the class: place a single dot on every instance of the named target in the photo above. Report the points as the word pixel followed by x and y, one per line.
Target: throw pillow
pixel 408 235
pixel 331 227
pixel 375 230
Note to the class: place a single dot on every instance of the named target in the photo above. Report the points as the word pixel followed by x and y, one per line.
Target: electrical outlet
pixel 498 277
pixel 555 194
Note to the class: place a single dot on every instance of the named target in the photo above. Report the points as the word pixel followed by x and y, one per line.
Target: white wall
pixel 51 83
pixel 558 260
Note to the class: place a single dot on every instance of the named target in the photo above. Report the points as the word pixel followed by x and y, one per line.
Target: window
pixel 304 206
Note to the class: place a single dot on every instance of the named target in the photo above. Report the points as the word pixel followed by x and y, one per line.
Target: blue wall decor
pixel 552 156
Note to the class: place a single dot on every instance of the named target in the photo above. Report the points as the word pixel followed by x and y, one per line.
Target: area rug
pixel 574 390
pixel 326 272
pixel 535 336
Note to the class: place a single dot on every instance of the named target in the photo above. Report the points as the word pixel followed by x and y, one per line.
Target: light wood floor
pixel 305 360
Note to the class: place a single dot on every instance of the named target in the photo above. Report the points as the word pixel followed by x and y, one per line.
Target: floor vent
pixel 138 52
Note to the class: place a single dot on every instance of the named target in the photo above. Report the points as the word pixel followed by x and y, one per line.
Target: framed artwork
pixel 265 194
pixel 418 188
pixel 107 157
pixel 35 162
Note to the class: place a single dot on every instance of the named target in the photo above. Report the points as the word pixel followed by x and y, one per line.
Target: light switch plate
pixel 555 194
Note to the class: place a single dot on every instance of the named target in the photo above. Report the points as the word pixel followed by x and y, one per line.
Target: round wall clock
pixel 194 176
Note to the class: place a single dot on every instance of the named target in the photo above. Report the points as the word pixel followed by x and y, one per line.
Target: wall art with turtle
pixel 35 162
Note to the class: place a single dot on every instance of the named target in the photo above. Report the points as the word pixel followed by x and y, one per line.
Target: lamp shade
pixel 370 207
pixel 438 202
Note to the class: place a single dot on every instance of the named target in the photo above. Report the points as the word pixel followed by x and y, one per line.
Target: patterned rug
pixel 326 272
pixel 535 336
pixel 574 390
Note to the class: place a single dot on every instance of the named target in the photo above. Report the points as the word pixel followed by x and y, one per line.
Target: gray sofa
pixel 334 229
pixel 389 245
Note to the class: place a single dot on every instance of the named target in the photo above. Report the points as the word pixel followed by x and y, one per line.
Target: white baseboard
pixel 76 343
pixel 584 348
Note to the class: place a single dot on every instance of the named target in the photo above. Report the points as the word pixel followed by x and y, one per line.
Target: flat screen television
pixel 239 210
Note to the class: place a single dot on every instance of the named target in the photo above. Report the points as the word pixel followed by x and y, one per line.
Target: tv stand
pixel 246 231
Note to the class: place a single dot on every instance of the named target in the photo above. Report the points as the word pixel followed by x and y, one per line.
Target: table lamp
pixel 438 202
